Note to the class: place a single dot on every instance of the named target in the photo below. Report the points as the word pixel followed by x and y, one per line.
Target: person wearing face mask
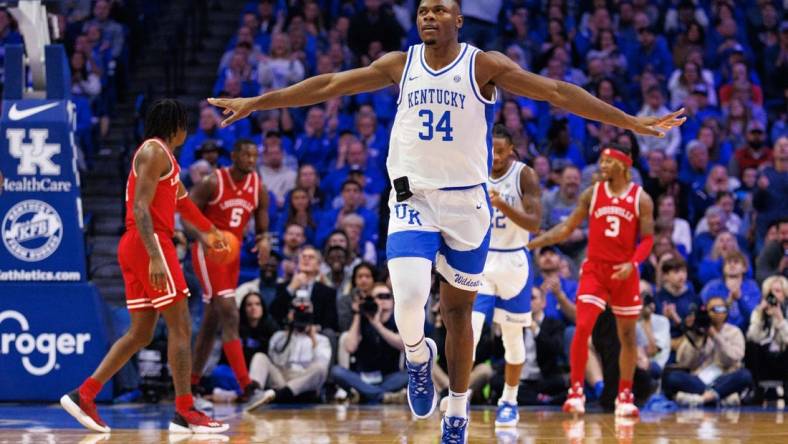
pixel 375 346
pixel 767 337
pixel 711 355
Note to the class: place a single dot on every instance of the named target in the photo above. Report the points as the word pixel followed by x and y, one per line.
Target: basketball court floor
pixel 136 423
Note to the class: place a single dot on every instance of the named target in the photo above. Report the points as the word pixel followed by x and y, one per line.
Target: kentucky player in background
pixel 228 197
pixel 619 212
pixel 439 161
pixel 506 285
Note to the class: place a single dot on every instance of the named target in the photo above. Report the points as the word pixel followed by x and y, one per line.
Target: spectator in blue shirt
pixel 676 297
pixel 696 164
pixel 352 203
pixel 208 128
pixel 652 54
pixel 559 292
pixel 315 145
pixel 770 196
pixel 353 155
pixel 741 294
pixel 711 266
pixel 720 151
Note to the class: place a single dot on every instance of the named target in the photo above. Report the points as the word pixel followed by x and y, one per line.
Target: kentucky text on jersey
pixel 616 211
pixel 433 96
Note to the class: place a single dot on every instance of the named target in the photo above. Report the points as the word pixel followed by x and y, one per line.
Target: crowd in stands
pixel 96 34
pixel 713 325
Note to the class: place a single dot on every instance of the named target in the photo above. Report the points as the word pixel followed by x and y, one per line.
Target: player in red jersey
pixel 228 198
pixel 153 277
pixel 619 211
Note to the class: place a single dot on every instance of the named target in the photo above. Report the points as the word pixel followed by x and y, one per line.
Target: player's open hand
pixel 237 109
pixel 622 271
pixel 157 273
pixel 658 126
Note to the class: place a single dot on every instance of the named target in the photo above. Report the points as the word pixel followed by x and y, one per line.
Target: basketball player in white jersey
pixel 506 285
pixel 439 161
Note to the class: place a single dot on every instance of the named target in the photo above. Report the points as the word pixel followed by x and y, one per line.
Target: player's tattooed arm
pixel 562 231
pixel 150 164
pixel 496 68
pixel 383 72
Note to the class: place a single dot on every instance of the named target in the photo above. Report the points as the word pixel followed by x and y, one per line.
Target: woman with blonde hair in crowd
pixel 767 336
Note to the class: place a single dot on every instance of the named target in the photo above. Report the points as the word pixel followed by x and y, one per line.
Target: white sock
pixel 458 405
pixel 418 353
pixel 509 394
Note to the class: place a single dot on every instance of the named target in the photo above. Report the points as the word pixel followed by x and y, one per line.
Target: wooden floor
pixel 391 424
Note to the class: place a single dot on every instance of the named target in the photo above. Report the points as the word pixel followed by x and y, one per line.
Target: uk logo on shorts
pixel 32 230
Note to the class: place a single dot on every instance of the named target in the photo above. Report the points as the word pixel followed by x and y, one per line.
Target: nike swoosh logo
pixel 413 78
pixel 16 114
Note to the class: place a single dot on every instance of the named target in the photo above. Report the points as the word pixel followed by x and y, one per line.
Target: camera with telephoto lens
pixel 702 320
pixel 302 318
pixel 369 306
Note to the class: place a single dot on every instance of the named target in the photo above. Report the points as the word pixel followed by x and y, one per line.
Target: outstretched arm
pixel 496 68
pixel 383 72
pixel 531 215
pixel 562 231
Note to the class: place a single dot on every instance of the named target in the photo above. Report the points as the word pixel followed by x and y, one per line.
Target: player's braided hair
pixel 165 117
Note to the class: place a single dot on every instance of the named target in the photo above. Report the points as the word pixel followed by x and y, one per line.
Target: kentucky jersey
pixel 613 224
pixel 442 133
pixel 506 235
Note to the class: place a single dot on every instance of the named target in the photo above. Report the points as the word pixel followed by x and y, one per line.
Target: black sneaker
pixel 249 392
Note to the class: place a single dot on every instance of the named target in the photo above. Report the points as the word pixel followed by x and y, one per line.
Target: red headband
pixel 618 155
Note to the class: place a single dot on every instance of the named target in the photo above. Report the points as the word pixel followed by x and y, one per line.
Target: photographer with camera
pixel 297 362
pixel 741 293
pixel 709 360
pixel 767 337
pixel 376 346
pixel 305 285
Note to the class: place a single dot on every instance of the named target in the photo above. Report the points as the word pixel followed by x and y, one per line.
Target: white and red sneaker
pixel 625 405
pixel 195 421
pixel 576 401
pixel 84 411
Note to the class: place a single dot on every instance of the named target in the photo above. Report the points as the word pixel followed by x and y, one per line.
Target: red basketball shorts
pixel 216 280
pixel 598 288
pixel 134 262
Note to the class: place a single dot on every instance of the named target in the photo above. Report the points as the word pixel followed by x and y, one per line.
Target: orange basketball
pixel 227 254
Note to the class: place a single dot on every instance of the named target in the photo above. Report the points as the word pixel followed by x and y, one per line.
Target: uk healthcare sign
pixel 53 329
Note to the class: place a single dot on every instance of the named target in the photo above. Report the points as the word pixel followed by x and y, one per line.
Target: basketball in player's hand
pixel 224 255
